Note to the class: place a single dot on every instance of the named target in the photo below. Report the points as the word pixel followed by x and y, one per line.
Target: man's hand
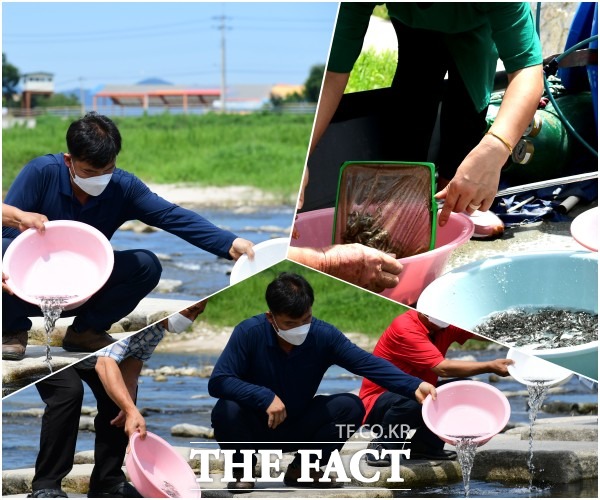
pixel 32 220
pixel 15 217
pixel 423 390
pixel 362 266
pixel 239 247
pixel 500 366
pixel 133 422
pixel 5 287
pixel 276 412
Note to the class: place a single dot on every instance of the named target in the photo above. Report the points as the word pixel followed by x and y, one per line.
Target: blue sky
pixel 123 43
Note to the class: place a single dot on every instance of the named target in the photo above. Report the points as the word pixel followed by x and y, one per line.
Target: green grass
pixel 350 309
pixel 373 70
pixel 266 151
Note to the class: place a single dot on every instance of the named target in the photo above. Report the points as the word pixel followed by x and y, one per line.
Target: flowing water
pixel 466 448
pixel 537 394
pixel 52 307
pixel 546 328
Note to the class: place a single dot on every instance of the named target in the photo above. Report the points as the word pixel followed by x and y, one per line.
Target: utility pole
pixel 222 27
pixel 81 96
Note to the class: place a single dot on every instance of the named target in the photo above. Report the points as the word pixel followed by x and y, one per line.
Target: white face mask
pixel 178 323
pixel 92 185
pixel 294 336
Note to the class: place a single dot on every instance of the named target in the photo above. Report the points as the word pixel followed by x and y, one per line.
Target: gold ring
pixel 474 207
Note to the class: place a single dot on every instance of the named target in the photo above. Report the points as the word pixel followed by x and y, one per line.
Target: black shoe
pixel 121 490
pixel 239 486
pixel 14 344
pixel 377 462
pixel 433 455
pixel 89 340
pixel 48 493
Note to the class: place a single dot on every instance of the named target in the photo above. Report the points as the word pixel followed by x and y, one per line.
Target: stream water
pixel 185 399
pixel 199 273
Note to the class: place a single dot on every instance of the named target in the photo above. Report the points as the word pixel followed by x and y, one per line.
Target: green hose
pixel 560 114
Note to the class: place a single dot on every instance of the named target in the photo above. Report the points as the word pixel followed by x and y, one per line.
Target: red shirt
pixel 409 345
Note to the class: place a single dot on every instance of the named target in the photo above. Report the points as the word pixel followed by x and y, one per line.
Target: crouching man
pixel 268 374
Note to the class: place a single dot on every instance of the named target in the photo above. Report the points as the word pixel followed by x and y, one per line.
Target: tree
pixel 312 86
pixel 10 79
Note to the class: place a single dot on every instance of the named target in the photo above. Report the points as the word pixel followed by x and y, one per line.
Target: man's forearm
pixel 455 368
pixel 114 384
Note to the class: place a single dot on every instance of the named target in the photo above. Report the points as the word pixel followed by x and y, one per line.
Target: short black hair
pixel 94 139
pixel 289 294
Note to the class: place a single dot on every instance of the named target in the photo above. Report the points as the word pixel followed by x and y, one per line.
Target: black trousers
pixel 392 410
pixel 420 88
pixel 63 395
pixel 322 426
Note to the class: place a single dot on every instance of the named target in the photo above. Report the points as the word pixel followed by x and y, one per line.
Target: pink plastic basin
pixel 314 230
pixel 157 470
pixel 71 259
pixel 466 408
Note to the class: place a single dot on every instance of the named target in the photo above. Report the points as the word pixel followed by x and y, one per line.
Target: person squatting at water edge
pixel 417 344
pixel 464 41
pixel 112 375
pixel 266 379
pixel 85 185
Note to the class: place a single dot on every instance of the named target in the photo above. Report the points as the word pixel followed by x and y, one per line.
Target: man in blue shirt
pixel 85 185
pixel 268 374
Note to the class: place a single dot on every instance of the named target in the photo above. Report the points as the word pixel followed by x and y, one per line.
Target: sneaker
pixel 48 493
pixel 121 490
pixel 294 472
pixel 377 462
pixel 14 344
pixel 89 340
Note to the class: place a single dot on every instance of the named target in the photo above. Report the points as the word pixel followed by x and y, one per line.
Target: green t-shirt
pixel 476 34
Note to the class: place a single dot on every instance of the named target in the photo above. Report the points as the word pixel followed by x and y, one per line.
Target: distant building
pixel 155 96
pixel 39 83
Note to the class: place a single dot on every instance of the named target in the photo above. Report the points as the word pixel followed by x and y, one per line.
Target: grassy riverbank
pixel 266 151
pixel 349 308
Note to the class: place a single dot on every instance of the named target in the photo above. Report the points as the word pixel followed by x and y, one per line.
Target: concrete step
pixel 503 459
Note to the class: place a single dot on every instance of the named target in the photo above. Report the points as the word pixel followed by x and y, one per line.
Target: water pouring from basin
pixel 538 375
pixel 466 414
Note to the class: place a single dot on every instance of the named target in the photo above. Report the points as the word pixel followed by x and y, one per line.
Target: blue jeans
pixel 135 274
